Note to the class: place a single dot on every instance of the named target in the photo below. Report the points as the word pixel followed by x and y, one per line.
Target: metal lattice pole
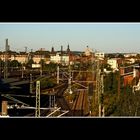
pixel 119 82
pixel 97 83
pixel 41 64
pixel 69 80
pixel 6 60
pixel 57 74
pixel 31 84
pixel 102 95
pixel 37 111
pixel 99 88
pixel 22 72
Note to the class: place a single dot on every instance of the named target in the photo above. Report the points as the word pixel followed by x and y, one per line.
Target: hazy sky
pixel 105 37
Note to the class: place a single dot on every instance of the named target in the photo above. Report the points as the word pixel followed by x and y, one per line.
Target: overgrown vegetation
pixel 47 83
pixel 125 104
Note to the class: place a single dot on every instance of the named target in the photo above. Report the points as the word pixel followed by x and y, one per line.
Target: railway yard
pixel 20 96
pixel 78 90
pixel 38 82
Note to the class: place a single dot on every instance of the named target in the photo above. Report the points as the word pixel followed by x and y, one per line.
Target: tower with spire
pixel 68 49
pixel 52 51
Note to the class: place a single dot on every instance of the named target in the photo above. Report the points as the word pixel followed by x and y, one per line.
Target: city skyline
pixel 103 37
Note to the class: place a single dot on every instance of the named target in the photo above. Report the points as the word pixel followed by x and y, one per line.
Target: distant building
pixel 52 50
pixel 36 65
pixel 21 58
pixel 88 51
pixel 68 49
pixel 127 80
pixel 58 58
pixel 113 63
pixel 24 58
pixel 37 58
pixel 130 55
pixel 130 60
pixel 100 55
pixel 41 49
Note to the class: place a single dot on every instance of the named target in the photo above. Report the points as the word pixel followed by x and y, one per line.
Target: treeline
pixel 118 102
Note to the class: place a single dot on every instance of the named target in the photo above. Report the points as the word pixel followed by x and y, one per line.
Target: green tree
pixel 120 55
pixel 15 63
pixel 1 66
pixel 47 83
pixel 42 63
pixel 29 63
pixel 1 63
pixel 51 67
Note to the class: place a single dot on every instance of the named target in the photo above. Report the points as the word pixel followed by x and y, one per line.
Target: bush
pixel 48 83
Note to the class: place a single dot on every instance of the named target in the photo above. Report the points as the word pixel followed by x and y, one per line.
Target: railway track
pixel 79 106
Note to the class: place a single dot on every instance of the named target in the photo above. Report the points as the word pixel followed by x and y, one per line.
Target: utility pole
pixel 22 71
pixel 92 63
pixel 31 83
pixel 69 80
pixel 37 111
pixel 61 55
pixel 41 64
pixel 41 68
pixel 25 49
pixel 99 88
pixel 119 82
pixel 31 54
pixel 97 82
pixel 92 95
pixel 57 74
pixel 6 60
pixel 0 68
pixel 102 96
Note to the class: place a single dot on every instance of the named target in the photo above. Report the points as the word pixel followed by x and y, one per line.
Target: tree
pixel 1 66
pixel 51 67
pixel 15 63
pixel 1 63
pixel 120 55
pixel 29 63
pixel 42 62
pixel 111 55
pixel 47 83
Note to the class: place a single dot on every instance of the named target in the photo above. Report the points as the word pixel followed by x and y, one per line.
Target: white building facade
pixel 100 55
pixel 64 59
pixel 113 63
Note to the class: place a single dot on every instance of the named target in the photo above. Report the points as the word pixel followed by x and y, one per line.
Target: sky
pixel 103 37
